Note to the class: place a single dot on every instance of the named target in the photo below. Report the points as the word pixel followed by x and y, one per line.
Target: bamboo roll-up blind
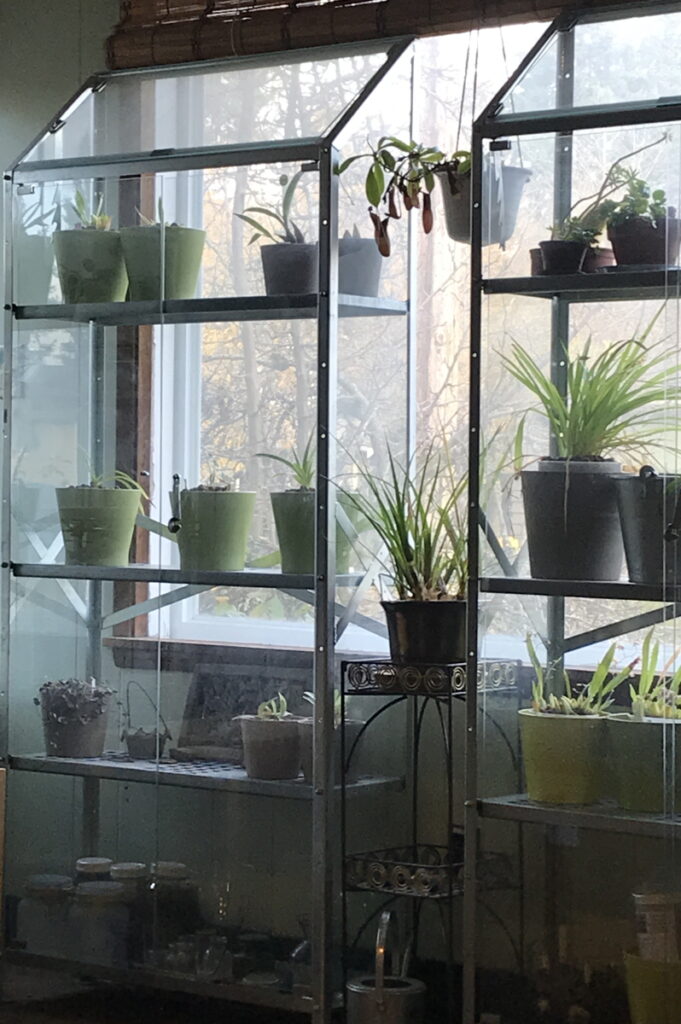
pixel 175 31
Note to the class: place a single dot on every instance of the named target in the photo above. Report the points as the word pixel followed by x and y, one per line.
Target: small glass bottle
pixel 93 869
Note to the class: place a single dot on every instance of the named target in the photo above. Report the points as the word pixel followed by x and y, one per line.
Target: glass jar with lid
pixel 101 920
pixel 174 902
pixel 93 869
pixel 43 915
pixel 134 877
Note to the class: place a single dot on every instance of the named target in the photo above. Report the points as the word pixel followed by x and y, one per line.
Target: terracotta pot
pixel 596 259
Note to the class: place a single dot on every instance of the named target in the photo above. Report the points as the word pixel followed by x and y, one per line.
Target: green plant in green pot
pixel 157 251
pixel 90 257
pixel 294 515
pixel 212 522
pixel 613 402
pixel 74 714
pixel 424 538
pixel 98 519
pixel 644 743
pixel 563 735
pixel 271 741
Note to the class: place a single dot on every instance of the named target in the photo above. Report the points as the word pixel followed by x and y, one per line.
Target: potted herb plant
pixel 90 257
pixel 649 514
pixel 143 744
pixel 352 727
pixel 562 736
pixel 289 263
pixel 294 515
pixel 643 230
pixel 425 542
pixel 271 741
pixel 74 714
pixel 613 402
pixel 156 248
pixel 502 190
pixel 98 519
pixel 212 523
pixel 643 743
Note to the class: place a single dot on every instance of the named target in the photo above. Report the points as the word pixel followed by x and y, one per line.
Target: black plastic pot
pixel 290 268
pixel 639 242
pixel 426 632
pixel 647 505
pixel 560 257
pixel 572 521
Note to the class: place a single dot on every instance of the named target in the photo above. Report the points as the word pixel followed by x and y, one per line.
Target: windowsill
pixel 139 653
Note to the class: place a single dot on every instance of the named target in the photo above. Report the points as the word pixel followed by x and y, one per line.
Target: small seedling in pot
pixel 301 464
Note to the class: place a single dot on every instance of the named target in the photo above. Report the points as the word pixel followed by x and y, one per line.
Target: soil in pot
pixel 271 747
pixel 640 242
pixel 90 266
pixel 215 529
pixel 560 257
pixel 647 504
pixel 294 519
pixel 642 754
pixel 572 521
pixel 306 733
pixel 563 756
pixel 426 632
pixel 290 268
pixel 142 254
pixel 597 258
pixel 97 524
pixel 359 266
pixel 500 211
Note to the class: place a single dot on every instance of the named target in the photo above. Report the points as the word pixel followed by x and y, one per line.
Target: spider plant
pixel 282 229
pixel 594 699
pixel 656 695
pixel 424 533
pixel 614 401
pixel 275 709
pixel 301 464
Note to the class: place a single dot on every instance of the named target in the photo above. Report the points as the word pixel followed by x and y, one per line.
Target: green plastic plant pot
pixel 97 524
pixel 294 519
pixel 90 266
pixel 640 752
pixel 215 529
pixel 653 989
pixel 271 747
pixel 142 254
pixel 563 756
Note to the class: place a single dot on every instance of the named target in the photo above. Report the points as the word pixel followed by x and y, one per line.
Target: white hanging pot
pixel 502 189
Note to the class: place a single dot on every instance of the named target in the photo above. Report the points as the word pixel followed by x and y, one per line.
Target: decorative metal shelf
pixel 193 774
pixel 254 995
pixel 422 872
pixel 620 285
pixel 195 311
pixel 270 579
pixel 378 677
pixel 601 589
pixel 599 817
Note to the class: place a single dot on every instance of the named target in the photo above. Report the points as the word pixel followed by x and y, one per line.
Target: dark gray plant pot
pixel 647 504
pixel 141 744
pixel 290 268
pixel 359 266
pixel 572 522
pixel 426 632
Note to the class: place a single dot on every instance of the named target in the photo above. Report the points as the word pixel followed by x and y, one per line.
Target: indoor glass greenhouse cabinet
pixel 575 403
pixel 173 589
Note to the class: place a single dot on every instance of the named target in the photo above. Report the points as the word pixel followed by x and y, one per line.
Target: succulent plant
pixel 91 219
pixel 276 709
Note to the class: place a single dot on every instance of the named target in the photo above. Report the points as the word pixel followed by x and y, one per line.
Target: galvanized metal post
pixel 324 827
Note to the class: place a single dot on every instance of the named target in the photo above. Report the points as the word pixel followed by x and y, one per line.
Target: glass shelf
pixel 600 817
pixel 213 775
pixel 623 285
pixel 193 311
pixel 601 589
pixel 271 578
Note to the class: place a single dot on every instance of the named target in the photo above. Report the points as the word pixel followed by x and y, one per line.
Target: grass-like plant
pixel 594 699
pixel 614 401
pixel 424 534
pixel 91 219
pixel 656 694
pixel 275 709
pixel 283 229
pixel 301 464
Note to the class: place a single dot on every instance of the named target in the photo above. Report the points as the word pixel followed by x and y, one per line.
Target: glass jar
pixel 43 915
pixel 101 920
pixel 93 869
pixel 174 902
pixel 134 877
